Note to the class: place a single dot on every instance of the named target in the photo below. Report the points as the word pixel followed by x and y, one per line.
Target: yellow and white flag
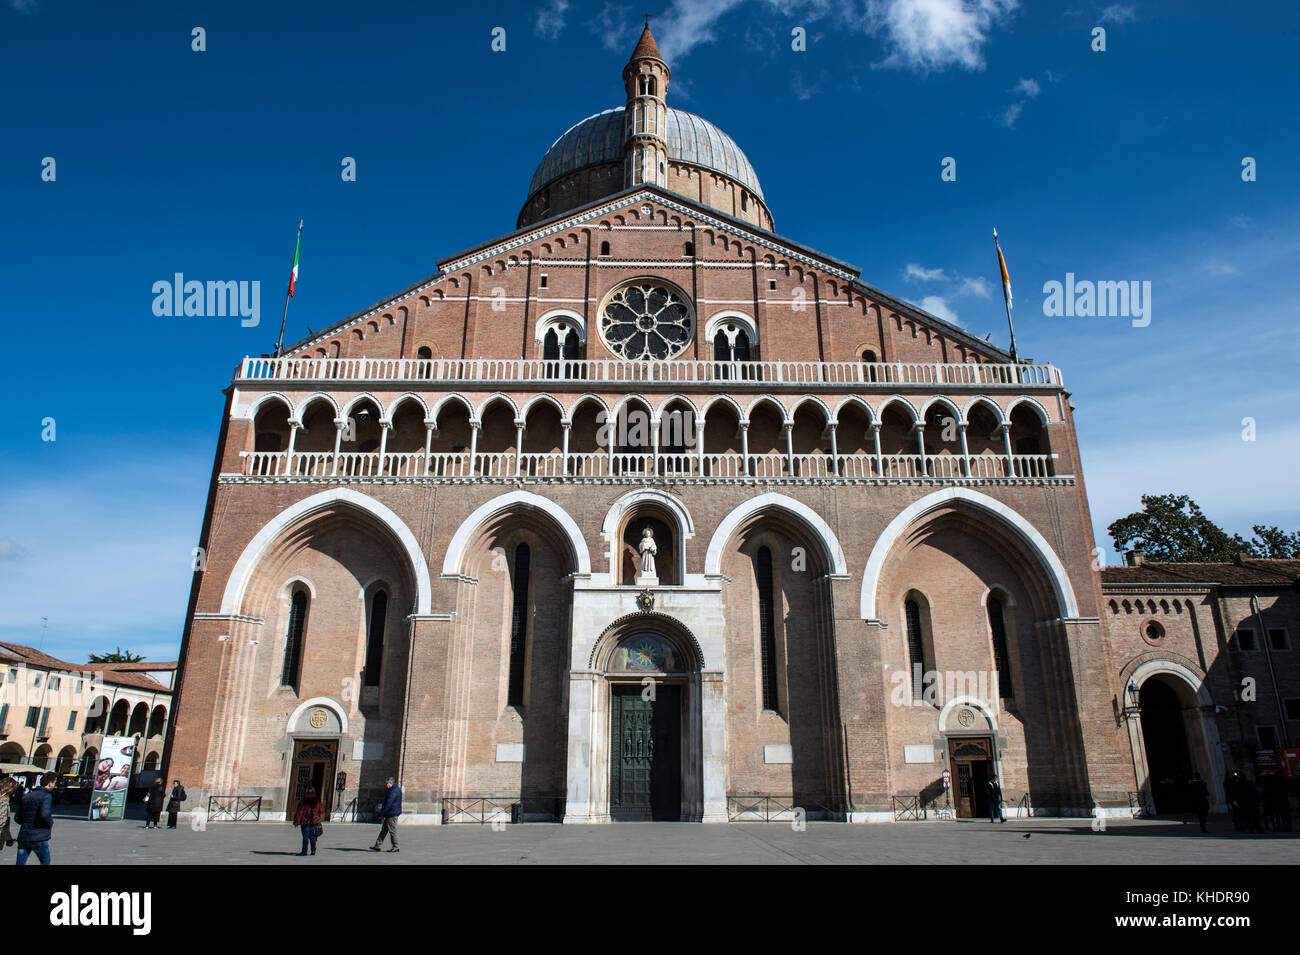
pixel 1002 264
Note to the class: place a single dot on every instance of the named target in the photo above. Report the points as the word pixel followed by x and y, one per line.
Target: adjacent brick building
pixel 874 567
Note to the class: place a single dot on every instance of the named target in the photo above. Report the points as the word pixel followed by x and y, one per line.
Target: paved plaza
pixel 1030 841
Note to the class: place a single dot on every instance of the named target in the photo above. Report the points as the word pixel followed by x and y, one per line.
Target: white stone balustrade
pixel 689 466
pixel 488 371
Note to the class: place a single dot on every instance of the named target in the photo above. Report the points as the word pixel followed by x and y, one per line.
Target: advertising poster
pixel 112 777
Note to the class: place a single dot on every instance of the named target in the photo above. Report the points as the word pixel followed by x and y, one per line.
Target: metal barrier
pixel 908 809
pixel 234 808
pixel 511 809
pixel 1139 806
pixel 1024 806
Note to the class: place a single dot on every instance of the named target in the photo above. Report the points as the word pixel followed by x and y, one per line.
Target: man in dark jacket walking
pixel 995 801
pixel 36 817
pixel 389 812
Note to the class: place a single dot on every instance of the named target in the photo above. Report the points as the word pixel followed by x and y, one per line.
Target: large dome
pixel 600 139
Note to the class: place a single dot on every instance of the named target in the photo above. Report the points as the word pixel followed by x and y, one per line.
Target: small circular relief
pixel 1153 632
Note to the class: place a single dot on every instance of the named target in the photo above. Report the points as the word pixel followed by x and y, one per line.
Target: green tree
pixel 117 656
pixel 1272 541
pixel 1171 527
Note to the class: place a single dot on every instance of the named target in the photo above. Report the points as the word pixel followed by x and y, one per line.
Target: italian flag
pixel 293 275
pixel 1002 263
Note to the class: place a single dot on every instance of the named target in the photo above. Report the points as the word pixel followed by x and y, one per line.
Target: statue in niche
pixel 648 550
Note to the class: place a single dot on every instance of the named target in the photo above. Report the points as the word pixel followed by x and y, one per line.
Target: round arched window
pixel 646 320
pixel 1152 632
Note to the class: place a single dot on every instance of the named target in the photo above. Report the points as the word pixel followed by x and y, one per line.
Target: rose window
pixel 645 321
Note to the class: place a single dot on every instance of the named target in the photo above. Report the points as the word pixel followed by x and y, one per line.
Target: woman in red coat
pixel 308 816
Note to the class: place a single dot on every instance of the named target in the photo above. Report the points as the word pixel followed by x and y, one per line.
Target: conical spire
pixel 645 80
pixel 646 46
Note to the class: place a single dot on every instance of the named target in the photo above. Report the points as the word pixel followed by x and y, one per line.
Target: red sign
pixel 1291 762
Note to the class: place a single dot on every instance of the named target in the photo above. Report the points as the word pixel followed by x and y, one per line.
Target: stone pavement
pixel 1032 841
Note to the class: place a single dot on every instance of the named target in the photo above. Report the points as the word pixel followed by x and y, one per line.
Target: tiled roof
pixel 17 653
pixel 1250 572
pixel 646 46
pixel 142 666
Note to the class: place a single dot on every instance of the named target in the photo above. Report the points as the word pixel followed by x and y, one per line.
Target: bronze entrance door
pixel 313 765
pixel 645 771
pixel 972 767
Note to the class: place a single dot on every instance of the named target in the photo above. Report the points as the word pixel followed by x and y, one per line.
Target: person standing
pixel 389 813
pixel 153 803
pixel 7 790
pixel 308 817
pixel 36 819
pixel 995 801
pixel 1199 795
pixel 174 803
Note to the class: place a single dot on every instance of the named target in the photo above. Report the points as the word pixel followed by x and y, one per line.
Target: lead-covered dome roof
pixel 600 138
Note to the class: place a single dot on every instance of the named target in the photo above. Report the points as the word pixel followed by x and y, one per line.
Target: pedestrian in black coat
pixel 153 803
pixel 174 803
pixel 36 818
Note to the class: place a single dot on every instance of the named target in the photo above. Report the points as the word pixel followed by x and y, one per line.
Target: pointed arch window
pixel 916 658
pixel 375 636
pixel 293 640
pixel 1001 659
pixel 766 627
pixel 519 626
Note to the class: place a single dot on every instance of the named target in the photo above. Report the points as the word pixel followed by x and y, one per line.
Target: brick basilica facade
pixel 874 563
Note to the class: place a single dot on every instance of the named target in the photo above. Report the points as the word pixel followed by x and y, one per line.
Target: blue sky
pixel 1116 165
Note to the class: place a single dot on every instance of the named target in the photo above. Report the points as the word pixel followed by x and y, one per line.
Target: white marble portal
pixel 696 610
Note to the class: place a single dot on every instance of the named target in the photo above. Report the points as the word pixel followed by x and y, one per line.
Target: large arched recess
pixel 515 502
pixel 959 498
pixel 336 499
pixel 800 512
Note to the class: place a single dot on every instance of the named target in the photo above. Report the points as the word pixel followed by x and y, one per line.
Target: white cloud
pixel 801 90
pixel 23 6
pixel 938 307
pixel 921 35
pixel 1117 13
pixel 11 550
pixel 615 25
pixel 550 18
pixel 978 286
pixel 928 35
pixel 687 24
pixel 921 273
pixel 1218 267
pixel 1028 88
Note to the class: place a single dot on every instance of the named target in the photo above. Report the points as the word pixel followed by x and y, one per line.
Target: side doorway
pixel 314 762
pixel 972 768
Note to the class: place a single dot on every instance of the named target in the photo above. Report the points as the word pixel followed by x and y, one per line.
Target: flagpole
pixel 288 293
pixel 1002 268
